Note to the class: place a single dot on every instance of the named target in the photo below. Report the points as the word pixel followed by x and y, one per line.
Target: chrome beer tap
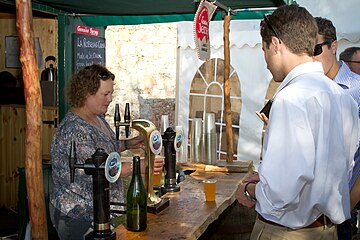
pixel 170 161
pixel 153 144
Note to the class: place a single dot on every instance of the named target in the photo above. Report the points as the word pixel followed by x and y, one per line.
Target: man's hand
pixel 242 199
pixel 263 117
pixel 240 196
pixel 254 177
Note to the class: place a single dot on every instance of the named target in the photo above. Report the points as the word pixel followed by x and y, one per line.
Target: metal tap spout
pixel 146 127
pixel 127 118
pixel 117 120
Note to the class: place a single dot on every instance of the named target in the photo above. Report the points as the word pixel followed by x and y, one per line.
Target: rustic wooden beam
pixel 227 102
pixel 33 101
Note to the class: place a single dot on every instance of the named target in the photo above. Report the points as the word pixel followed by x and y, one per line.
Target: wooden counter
pixel 188 215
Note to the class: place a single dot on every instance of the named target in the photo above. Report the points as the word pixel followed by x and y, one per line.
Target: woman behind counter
pixel 89 95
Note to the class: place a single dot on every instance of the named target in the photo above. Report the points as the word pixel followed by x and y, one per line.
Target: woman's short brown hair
pixel 86 82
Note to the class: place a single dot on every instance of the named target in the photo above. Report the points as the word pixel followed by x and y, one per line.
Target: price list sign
pixel 88 50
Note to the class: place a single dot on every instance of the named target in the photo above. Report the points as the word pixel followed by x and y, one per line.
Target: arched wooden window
pixel 206 95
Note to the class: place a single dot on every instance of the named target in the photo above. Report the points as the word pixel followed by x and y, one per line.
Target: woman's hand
pixel 158 164
pixel 135 143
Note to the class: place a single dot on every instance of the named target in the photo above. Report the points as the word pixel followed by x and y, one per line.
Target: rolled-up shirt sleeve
pixel 282 181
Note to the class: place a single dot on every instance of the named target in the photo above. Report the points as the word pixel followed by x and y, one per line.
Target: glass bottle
pixel 136 204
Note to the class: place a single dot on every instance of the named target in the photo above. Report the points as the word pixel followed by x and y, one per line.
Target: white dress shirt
pixel 308 152
pixel 349 81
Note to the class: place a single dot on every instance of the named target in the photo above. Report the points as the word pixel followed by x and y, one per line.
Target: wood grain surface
pixel 188 215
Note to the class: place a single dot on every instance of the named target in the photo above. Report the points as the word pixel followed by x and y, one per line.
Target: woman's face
pixel 99 102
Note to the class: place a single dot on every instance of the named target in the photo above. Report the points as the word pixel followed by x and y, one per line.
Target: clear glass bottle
pixel 136 204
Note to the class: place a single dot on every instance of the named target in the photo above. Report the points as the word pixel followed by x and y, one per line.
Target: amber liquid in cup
pixel 210 189
pixel 157 179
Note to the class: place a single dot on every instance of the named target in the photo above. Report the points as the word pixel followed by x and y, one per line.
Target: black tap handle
pixel 170 154
pixel 117 120
pixel 127 119
pixel 72 161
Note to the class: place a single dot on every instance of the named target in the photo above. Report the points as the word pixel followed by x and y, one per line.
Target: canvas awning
pixel 131 12
pixel 145 7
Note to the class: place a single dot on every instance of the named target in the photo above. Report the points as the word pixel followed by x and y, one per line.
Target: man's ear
pixel 277 43
pixel 334 46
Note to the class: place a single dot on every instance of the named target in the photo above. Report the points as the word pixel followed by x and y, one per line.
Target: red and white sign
pixel 201 29
pixel 87 30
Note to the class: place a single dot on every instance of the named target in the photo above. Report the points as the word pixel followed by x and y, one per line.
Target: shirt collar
pixel 343 77
pixel 299 70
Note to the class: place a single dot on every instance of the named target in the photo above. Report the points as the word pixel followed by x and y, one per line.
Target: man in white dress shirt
pixel 301 188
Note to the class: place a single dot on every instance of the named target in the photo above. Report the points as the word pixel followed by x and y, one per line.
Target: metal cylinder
pixel 164 124
pixel 196 142
pixel 209 123
pixel 209 139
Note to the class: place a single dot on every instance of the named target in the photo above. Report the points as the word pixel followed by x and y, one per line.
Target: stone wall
pixel 143 59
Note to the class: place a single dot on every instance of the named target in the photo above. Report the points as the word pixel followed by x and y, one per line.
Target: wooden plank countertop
pixel 188 214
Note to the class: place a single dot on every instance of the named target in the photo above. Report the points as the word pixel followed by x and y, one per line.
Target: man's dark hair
pixel 326 28
pixel 348 53
pixel 295 27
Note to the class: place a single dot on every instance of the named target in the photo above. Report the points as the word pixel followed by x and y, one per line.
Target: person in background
pixel 339 72
pixel 325 52
pixel 351 56
pixel 301 188
pixel 89 95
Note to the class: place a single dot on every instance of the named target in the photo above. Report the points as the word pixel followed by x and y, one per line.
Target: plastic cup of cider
pixel 158 178
pixel 209 189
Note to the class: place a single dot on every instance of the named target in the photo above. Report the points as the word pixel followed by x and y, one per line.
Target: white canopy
pixel 246 57
pixel 343 14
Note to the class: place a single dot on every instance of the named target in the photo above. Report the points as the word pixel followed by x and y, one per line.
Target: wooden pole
pixel 33 101
pixel 227 102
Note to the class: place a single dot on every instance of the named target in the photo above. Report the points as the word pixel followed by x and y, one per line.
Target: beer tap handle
pixel 117 120
pixel 127 119
pixel 72 161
